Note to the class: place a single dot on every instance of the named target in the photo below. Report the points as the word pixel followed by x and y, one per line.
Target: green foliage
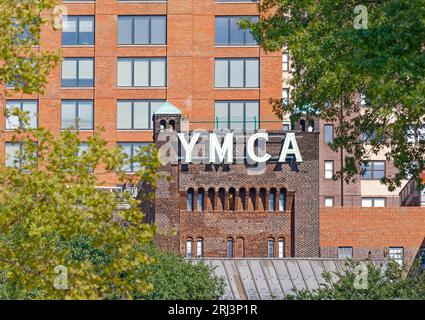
pixel 23 65
pixel 333 63
pixel 53 213
pixel 389 284
pixel 174 278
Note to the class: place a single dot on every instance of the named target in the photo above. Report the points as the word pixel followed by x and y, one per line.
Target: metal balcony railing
pixel 411 195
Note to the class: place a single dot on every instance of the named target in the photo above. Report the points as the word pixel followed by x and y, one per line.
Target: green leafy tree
pixel 387 283
pixel 174 278
pixel 52 214
pixel 23 66
pixel 340 51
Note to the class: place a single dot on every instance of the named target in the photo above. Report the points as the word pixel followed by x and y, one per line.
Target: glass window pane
pixel 236 73
pixel 69 72
pixel 252 115
pixel 31 108
pixel 85 69
pixel 221 115
pixel 379 202
pixel 85 115
pixel 141 73
pixel 221 30
pixel 69 31
pixel 281 248
pixel 125 25
pixel 124 115
pixel 249 39
pixel 154 105
pixel 126 150
pixel 252 73
pixel 199 248
pixel 328 134
pixel 366 202
pixel 329 202
pixel 236 33
pixel 141 115
pixel 12 122
pixel 83 148
pixel 124 73
pixel 158 34
pixel 86 30
pixel 221 73
pixel 158 73
pixel 141 30
pixel 69 113
pixel 236 115
pixel 12 154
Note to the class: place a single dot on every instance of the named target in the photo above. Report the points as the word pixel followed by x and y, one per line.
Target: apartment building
pixel 123 59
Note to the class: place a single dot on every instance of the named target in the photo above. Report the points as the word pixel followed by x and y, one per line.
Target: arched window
pixel 189 249
pixel 190 194
pixel 171 125
pixel 281 248
pixel 230 247
pixel 232 199
pixel 302 125
pixel 199 248
pixel 211 199
pixel 221 199
pixel 200 199
pixel 282 199
pixel 311 126
pixel 162 125
pixel 252 198
pixel 242 198
pixel 270 248
pixel 272 199
pixel 263 195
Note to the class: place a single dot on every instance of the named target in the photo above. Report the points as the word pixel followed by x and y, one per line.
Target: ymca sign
pixel 223 152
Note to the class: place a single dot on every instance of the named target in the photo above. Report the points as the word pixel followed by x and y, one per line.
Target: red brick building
pixel 123 59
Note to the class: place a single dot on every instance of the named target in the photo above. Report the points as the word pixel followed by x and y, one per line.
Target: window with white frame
pixel 281 248
pixel 345 252
pixel 396 254
pixel 29 107
pixel 373 202
pixel 199 248
pixel 285 61
pixel 329 201
pixel 329 169
pixel 189 252
pixel 142 72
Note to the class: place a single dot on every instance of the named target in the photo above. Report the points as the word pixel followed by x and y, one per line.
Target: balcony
pixel 412 196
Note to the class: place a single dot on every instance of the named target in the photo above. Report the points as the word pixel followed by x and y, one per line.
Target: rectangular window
pixel 397 254
pixel 200 201
pixel 83 148
pixel 189 248
pixel 136 114
pixel 270 249
pixel 78 30
pixel 237 73
pixel 142 30
pixel 345 252
pixel 329 202
pixel 329 169
pixel 190 200
pixel 373 202
pixel 285 96
pixel 142 72
pixel 199 248
pixel 373 170
pixel 29 107
pixel 227 31
pixel 14 154
pixel 285 61
pixel 282 200
pixel 131 149
pixel 237 115
pixel 77 114
pixel 329 133
pixel 281 248
pixel 78 72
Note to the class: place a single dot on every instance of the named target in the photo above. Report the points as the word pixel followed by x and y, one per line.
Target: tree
pixel 23 67
pixel 55 221
pixel 340 52
pixel 174 278
pixel 382 284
